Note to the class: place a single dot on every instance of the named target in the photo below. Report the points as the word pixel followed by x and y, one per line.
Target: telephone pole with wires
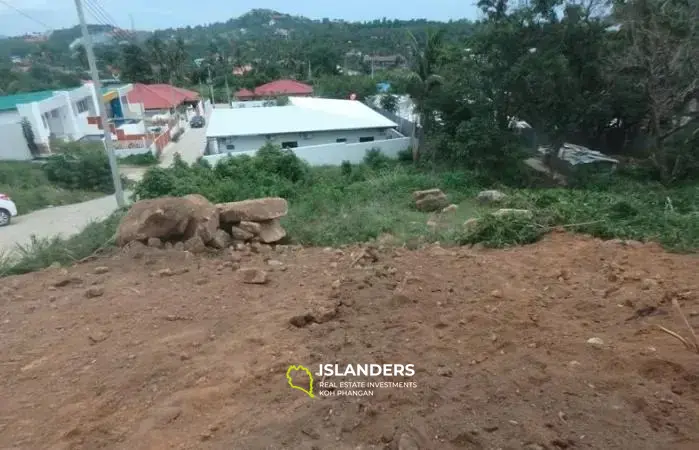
pixel 108 144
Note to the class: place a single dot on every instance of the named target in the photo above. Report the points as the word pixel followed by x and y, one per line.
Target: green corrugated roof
pixel 9 102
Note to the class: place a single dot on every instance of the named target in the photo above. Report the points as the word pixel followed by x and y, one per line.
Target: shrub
pixel 142 159
pixel 80 166
pixel 377 160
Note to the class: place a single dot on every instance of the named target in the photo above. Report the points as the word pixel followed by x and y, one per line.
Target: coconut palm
pixel 423 79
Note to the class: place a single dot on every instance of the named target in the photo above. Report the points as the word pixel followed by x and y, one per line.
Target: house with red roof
pixel 152 99
pixel 277 88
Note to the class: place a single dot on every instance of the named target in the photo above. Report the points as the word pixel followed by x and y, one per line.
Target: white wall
pixel 123 152
pixel 14 145
pixel 250 104
pixel 248 143
pixel 134 128
pixel 11 116
pixel 333 154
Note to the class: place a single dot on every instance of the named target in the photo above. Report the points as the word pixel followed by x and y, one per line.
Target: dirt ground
pixel 134 352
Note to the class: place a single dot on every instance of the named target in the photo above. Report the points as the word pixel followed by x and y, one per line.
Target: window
pixel 54 113
pixel 81 106
pixel 366 139
pixel 43 119
pixel 230 147
pixel 290 144
pixel 340 140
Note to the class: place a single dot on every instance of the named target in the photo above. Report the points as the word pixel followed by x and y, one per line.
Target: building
pixel 384 62
pixel 69 115
pixel 276 89
pixel 321 131
pixel 148 100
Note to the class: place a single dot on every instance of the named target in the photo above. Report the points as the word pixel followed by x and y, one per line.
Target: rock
pixel 204 221
pixel 271 231
pixel 491 196
pixel 167 272
pixel 251 227
pixel 94 291
pixel 324 314
pixel 597 342
pixel 445 372
pixel 301 320
pixel 430 200
pixel 101 270
pixel 496 293
pixel 155 242
pixel 648 283
pixel 256 210
pixel 241 235
pixel 68 281
pixel 274 262
pixel 471 224
pixel 201 281
pixel 513 212
pixel 419 195
pixel 450 208
pixel 253 276
pixel 97 337
pixel 195 244
pixel 220 240
pixel 164 218
pixel 406 442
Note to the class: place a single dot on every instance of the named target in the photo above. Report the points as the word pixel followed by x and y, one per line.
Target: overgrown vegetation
pixel 30 188
pixel 42 253
pixel 141 159
pixel 80 166
pixel 355 203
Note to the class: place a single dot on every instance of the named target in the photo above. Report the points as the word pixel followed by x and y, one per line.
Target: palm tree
pixel 423 81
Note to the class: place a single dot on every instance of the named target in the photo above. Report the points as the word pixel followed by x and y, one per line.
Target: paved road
pixel 71 219
pixel 61 220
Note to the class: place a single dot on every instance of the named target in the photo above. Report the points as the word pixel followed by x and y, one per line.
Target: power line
pixel 103 18
pixel 26 15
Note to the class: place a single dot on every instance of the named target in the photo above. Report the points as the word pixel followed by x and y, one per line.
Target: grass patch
pixel 41 253
pixel 29 187
pixel 356 203
pixel 143 159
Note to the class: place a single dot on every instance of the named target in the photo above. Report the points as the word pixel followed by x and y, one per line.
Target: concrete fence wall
pixel 333 154
pixel 13 146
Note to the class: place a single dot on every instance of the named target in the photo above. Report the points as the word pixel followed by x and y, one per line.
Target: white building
pixel 321 131
pixel 68 115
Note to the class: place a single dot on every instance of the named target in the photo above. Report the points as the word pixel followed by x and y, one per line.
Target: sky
pixel 149 15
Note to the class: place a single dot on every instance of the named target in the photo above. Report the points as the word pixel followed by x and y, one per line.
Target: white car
pixel 8 210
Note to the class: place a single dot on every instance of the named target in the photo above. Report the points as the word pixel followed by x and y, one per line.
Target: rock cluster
pixel 195 223
pixel 430 200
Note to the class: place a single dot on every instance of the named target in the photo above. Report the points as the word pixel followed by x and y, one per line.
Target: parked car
pixel 8 210
pixel 197 122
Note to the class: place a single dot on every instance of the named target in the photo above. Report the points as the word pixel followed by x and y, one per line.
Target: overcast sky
pixel 149 15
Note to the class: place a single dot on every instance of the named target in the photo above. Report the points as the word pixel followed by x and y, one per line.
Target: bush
pixel 80 166
pixel 377 160
pixel 142 159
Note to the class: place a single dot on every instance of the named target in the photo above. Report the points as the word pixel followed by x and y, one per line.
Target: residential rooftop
pixel 10 102
pixel 302 115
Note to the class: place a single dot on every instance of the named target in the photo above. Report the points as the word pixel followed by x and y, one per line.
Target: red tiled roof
pixel 244 93
pixel 160 96
pixel 289 87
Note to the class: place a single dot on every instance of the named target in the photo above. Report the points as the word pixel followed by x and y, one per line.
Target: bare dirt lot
pixel 132 352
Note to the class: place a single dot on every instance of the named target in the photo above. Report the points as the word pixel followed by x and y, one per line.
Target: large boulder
pixel 169 219
pixel 430 200
pixel 166 218
pixel 205 219
pixel 271 231
pixel 256 210
pixel 491 196
pixel 513 212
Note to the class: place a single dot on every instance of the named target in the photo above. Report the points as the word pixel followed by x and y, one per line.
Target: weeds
pixel 41 253
pixel 142 159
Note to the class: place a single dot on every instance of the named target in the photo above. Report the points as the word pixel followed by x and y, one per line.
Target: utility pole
pixel 133 26
pixel 225 74
pixel 108 145
pixel 211 88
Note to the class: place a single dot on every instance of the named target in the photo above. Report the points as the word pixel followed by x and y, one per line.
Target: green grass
pixel 41 253
pixel 27 185
pixel 330 206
